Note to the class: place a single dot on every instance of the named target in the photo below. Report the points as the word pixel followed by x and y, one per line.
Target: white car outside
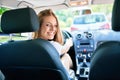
pixel 94 21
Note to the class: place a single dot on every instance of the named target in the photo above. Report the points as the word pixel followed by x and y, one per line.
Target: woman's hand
pixel 67 45
pixel 69 42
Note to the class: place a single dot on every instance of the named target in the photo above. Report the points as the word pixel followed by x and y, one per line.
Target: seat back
pixel 105 62
pixel 34 59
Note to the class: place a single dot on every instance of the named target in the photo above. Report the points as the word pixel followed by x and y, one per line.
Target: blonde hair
pixel 48 12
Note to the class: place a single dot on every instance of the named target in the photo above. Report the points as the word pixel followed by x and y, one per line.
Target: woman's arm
pixel 67 46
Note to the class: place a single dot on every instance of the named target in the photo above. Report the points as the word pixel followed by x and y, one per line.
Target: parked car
pixel 90 21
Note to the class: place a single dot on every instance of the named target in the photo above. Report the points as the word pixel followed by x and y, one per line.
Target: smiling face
pixel 48 28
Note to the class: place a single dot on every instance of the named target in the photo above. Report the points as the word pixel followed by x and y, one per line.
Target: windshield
pixel 72 18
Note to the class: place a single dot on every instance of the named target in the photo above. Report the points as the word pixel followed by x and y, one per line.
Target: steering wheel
pixel 71 52
pixel 66 35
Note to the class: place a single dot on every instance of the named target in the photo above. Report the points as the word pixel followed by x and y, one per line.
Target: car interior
pixel 95 53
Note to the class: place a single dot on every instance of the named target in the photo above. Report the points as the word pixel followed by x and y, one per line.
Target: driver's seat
pixel 33 59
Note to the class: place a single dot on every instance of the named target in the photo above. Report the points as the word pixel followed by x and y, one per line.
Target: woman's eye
pixel 55 25
pixel 48 24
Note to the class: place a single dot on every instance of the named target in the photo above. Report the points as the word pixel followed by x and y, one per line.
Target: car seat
pixel 34 59
pixel 105 61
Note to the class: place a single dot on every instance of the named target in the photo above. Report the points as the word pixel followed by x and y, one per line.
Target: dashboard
pixel 84 47
pixel 85 43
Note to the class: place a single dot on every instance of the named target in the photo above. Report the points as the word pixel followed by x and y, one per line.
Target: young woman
pixel 49 30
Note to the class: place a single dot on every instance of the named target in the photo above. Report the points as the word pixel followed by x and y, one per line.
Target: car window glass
pixel 66 16
pixel 66 19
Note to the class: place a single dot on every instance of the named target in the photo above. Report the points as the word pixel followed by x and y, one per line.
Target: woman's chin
pixel 51 38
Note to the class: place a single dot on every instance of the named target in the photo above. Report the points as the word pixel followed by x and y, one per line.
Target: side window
pixel 0 24
pixel 2 10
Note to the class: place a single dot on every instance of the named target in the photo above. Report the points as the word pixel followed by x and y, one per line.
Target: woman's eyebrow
pixel 51 23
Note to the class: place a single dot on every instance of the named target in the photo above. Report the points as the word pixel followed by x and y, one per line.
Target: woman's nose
pixel 53 28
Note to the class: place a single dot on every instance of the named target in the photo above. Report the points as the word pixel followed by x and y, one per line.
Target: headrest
pixel 105 62
pixel 116 16
pixel 19 20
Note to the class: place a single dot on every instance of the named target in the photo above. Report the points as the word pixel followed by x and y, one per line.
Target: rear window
pixel 88 19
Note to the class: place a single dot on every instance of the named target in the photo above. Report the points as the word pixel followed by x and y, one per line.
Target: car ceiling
pixel 42 4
